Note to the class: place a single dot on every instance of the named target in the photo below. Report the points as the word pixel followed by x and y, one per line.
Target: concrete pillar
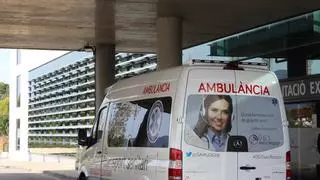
pixel 169 39
pixel 105 48
pixel 104 70
pixel 297 64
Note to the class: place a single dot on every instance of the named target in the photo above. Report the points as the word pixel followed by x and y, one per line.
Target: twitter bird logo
pixel 188 154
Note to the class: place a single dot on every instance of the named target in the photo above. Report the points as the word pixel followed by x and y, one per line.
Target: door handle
pixel 247 168
pixel 99 152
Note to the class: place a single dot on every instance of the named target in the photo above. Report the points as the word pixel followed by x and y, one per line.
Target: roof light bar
pixel 202 61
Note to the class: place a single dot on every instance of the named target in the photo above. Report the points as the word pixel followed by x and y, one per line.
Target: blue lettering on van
pixel 202 154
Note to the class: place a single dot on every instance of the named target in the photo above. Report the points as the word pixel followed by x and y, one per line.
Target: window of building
pixel 143 123
pixel 279 67
pixel 18 57
pixel 18 135
pixel 302 115
pixel 314 66
pixel 18 91
pixel 291 40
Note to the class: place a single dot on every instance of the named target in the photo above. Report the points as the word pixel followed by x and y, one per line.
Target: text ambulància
pixel 231 88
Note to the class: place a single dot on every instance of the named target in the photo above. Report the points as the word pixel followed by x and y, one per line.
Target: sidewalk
pixel 62 170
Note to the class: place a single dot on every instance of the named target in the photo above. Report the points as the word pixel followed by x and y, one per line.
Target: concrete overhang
pixel 131 24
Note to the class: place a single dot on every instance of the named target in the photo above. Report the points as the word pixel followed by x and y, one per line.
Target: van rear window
pixel 213 120
pixel 143 123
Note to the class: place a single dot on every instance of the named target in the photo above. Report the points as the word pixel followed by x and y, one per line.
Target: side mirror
pixel 82 137
pixel 318 143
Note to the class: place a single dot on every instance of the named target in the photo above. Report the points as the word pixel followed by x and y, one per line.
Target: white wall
pixel 13 111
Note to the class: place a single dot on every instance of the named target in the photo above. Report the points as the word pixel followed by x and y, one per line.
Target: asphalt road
pixel 10 173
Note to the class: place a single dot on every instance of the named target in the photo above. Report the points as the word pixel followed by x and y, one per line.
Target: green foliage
pixel 4 116
pixel 4 90
pixel 4 109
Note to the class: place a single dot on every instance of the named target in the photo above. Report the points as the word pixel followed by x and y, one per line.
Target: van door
pixel 94 152
pixel 205 157
pixel 116 155
pixel 261 123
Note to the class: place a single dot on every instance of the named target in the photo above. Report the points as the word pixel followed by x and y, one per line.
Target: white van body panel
pixel 270 164
pixel 152 163
pixel 134 162
pixel 199 162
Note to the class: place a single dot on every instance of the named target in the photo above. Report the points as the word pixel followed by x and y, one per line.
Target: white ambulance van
pixel 201 121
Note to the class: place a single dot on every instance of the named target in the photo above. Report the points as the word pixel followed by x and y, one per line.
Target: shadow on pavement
pixel 25 176
pixel 62 174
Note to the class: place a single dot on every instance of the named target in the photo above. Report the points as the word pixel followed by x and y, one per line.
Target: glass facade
pixel 61 100
pixel 296 38
pixel 277 41
pixel 62 95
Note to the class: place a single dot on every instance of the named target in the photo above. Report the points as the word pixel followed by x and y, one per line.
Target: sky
pixel 33 58
pixel 4 65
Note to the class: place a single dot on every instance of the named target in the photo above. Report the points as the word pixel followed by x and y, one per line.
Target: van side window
pixel 98 126
pixel 121 114
pixel 143 123
pixel 102 122
pixel 94 129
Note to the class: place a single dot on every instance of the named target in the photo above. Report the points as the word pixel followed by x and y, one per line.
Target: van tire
pixel 82 177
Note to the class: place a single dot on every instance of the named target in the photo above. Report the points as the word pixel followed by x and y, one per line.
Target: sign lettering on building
pixel 302 89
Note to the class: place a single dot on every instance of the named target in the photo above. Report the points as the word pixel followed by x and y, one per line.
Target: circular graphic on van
pixel 154 121
pixel 253 139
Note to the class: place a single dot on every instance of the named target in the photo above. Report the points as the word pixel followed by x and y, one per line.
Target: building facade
pixel 131 64
pixel 61 100
pixel 51 102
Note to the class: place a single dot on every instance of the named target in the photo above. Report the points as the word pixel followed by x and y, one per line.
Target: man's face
pixel 218 115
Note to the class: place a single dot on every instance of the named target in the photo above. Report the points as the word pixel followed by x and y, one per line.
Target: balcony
pixel 137 70
pixel 62 96
pixel 59 74
pixel 62 112
pixel 135 60
pixel 64 119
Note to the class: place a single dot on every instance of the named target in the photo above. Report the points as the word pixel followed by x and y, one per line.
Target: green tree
pixel 4 116
pixel 4 90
